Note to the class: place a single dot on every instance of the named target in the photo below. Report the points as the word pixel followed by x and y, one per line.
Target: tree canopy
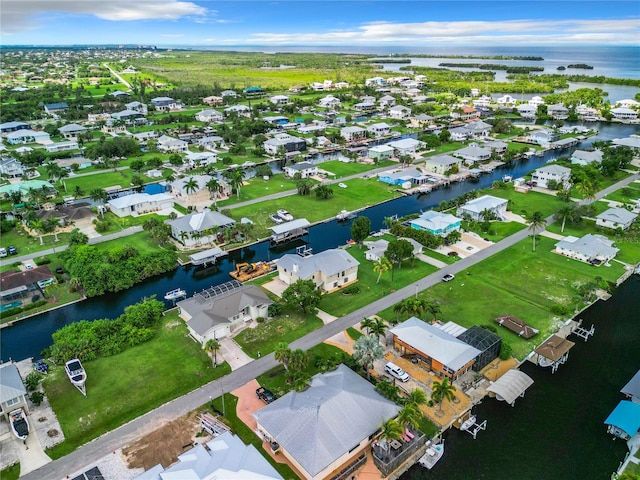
pixel 302 295
pixel 360 229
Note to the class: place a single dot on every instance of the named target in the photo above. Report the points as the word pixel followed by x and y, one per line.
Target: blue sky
pixel 304 22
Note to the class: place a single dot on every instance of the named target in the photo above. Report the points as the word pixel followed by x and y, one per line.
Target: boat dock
pixel 248 271
pixel 289 231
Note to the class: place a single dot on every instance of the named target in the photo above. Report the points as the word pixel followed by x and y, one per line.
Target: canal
pixel 556 432
pixel 27 338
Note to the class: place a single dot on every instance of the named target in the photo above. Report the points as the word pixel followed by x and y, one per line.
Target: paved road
pixel 115 74
pixel 133 430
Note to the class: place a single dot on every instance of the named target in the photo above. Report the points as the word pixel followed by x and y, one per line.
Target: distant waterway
pixel 556 431
pixel 29 337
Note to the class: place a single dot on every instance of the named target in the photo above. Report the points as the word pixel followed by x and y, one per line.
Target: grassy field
pixel 266 336
pixel 257 188
pixel 525 204
pixel 359 193
pixel 625 195
pixel 497 230
pixel 339 304
pixel 125 386
pixel 341 169
pixel 517 281
pixel 26 244
pixel 141 241
pixel 607 182
pixel 11 473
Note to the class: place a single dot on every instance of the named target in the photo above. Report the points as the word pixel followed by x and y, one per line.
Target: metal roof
pixel 511 385
pixel 632 388
pixel 329 262
pixel 288 226
pixel 625 416
pixel 11 383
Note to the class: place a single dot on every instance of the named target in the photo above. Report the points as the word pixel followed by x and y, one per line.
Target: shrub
pixel 491 328
pixel 32 381
pixel 558 309
pixel 505 351
pixel 351 290
pixel 274 310
pixel 42 261
pixel 260 319
pixel 36 398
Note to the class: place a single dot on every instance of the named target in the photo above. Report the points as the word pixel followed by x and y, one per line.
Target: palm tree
pixel 183 236
pixel 282 354
pixel 416 398
pixel 587 189
pixel 298 360
pixel 442 390
pixel 366 324
pixel 78 192
pixel 190 186
pixel 38 227
pixel 379 328
pixel 99 195
pixel 537 222
pixel 212 346
pixel 432 309
pixel 383 265
pixel 409 416
pixel 564 212
pixel 367 350
pixel 391 430
pixel 214 188
pixel 235 176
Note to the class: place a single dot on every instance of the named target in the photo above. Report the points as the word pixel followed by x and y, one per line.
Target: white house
pixel 61 146
pixel 473 153
pixel 586 157
pixel 628 103
pixel 199 227
pixel 506 101
pixel 330 270
pixel 558 111
pixel 595 249
pixel 13 394
pixel 459 134
pixel 351 134
pixel 478 129
pixel 305 169
pixel 375 250
pixel 201 159
pixel 406 146
pixel 400 112
pixel 172 145
pixel 381 152
pixel 140 204
pixel 71 131
pixel 379 129
pixel 387 101
pixel 239 110
pixel 543 136
pixel 329 102
pixel 623 113
pixel 560 174
pixel 27 136
pixel 215 313
pixel 536 100
pixel 527 110
pixel 616 218
pixel 209 115
pixel 279 100
pixel 11 167
pixel 474 208
pixel 137 107
pixel 285 141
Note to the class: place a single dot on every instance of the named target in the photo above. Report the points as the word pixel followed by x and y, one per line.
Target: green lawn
pixel 127 385
pixel 607 182
pixel 266 336
pixel 141 241
pixel 117 224
pixel 257 187
pixel 341 169
pixel 26 244
pixel 11 473
pixel 108 178
pixel 525 204
pixel 353 333
pixel 497 230
pixel 339 304
pixel 516 281
pixel 248 436
pixel 626 194
pixel 358 194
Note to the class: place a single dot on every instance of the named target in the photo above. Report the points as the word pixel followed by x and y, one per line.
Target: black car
pixel 265 394
pixel 12 250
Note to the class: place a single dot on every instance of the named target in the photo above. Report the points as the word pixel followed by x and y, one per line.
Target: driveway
pixel 233 354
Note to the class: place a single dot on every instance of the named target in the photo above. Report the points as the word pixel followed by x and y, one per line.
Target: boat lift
pixel 471 425
pixel 582 332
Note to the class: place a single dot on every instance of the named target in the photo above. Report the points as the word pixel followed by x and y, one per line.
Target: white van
pixel 3 252
pixel 395 371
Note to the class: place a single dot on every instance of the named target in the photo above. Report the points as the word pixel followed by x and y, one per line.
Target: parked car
pixel 13 250
pixel 448 277
pixel 3 252
pixel 265 394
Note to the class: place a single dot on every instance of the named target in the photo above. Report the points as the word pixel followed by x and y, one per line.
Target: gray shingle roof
pixel 632 388
pixel 197 222
pixel 590 246
pixel 618 215
pixel 11 385
pixel 330 262
pixel 319 425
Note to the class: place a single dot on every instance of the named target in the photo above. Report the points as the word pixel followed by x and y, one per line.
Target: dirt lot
pixel 165 444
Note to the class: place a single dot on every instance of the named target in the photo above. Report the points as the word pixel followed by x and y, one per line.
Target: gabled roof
pixel 435 343
pixel 72 127
pixel 554 169
pixel 301 166
pixel 138 198
pixel 10 280
pixel 625 416
pixel 444 160
pixel 618 215
pixel 485 202
pixel 320 424
pixel 199 221
pixel 590 246
pixel 433 220
pixel 329 262
pixel 11 385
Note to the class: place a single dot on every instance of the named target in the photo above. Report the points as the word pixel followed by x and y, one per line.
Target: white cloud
pixel 20 15
pixel 621 31
pixel 172 35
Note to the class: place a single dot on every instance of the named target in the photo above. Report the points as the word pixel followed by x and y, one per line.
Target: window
pixel 13 401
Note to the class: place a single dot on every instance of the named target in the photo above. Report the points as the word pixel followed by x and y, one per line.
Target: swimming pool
pixel 9 306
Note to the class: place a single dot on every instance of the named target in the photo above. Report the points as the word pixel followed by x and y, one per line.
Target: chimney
pixel 295 268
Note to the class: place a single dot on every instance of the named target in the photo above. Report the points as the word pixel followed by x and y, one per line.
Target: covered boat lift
pixel 207 256
pixel 624 421
pixel 516 325
pixel 511 385
pixel 554 352
pixel 289 231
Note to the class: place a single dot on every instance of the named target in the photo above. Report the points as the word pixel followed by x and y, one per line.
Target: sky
pixel 304 22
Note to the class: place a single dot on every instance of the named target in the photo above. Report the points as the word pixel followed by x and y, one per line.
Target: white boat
pixel 76 373
pixel 433 453
pixel 286 216
pixel 19 424
pixel 175 294
pixel 276 218
pixel 468 423
pixel 343 215
pixel 507 178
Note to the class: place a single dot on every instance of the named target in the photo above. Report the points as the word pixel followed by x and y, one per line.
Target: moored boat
pixel 468 423
pixel 433 453
pixel 175 294
pixel 19 424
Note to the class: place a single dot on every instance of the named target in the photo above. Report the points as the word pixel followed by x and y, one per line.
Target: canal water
pixel 556 431
pixel 27 338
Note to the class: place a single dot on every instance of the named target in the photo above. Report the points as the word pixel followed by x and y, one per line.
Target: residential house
pixel 143 137
pixel 616 218
pixel 558 111
pixel 201 159
pixel 209 115
pixel 11 167
pixel 465 113
pixel 628 103
pixel 496 146
pixel 13 394
pixel 54 109
pixel 352 134
pixel 330 270
pixel 166 104
pixel 478 129
pixel 375 250
pixel 284 141
pixel 215 313
pixel 280 100
pixel 329 102
pixel 404 178
pixel 542 175
pixel 25 284
pixel 137 107
pixel 128 116
pixel 140 204
pixel 475 208
pixel 211 142
pixel 375 82
pixel 325 428
pixel 379 129
pixel 623 113
pixel 594 249
pixel 239 110
pixel 441 164
pixel 406 146
pixel 483 101
pixel 199 227
pixel 119 94
pixel 172 145
pixel 440 351
pixel 536 100
pixel 61 146
pixel 543 137
pixel 400 112
pixel 381 152
pixel 23 136
pixel 586 157
pixel 71 131
pixel 421 121
pixel 473 153
pixel 387 101
pixel 228 93
pixel 305 169
pixel 506 101
pixel 212 100
pixel 7 127
pixel 459 134
pixel 436 223
pixel 632 141
pixel 364 107
pixel 527 110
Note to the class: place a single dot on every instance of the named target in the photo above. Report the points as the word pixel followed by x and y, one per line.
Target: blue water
pixel 9 306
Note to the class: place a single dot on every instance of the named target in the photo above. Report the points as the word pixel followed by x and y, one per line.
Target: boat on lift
pixel 175 294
